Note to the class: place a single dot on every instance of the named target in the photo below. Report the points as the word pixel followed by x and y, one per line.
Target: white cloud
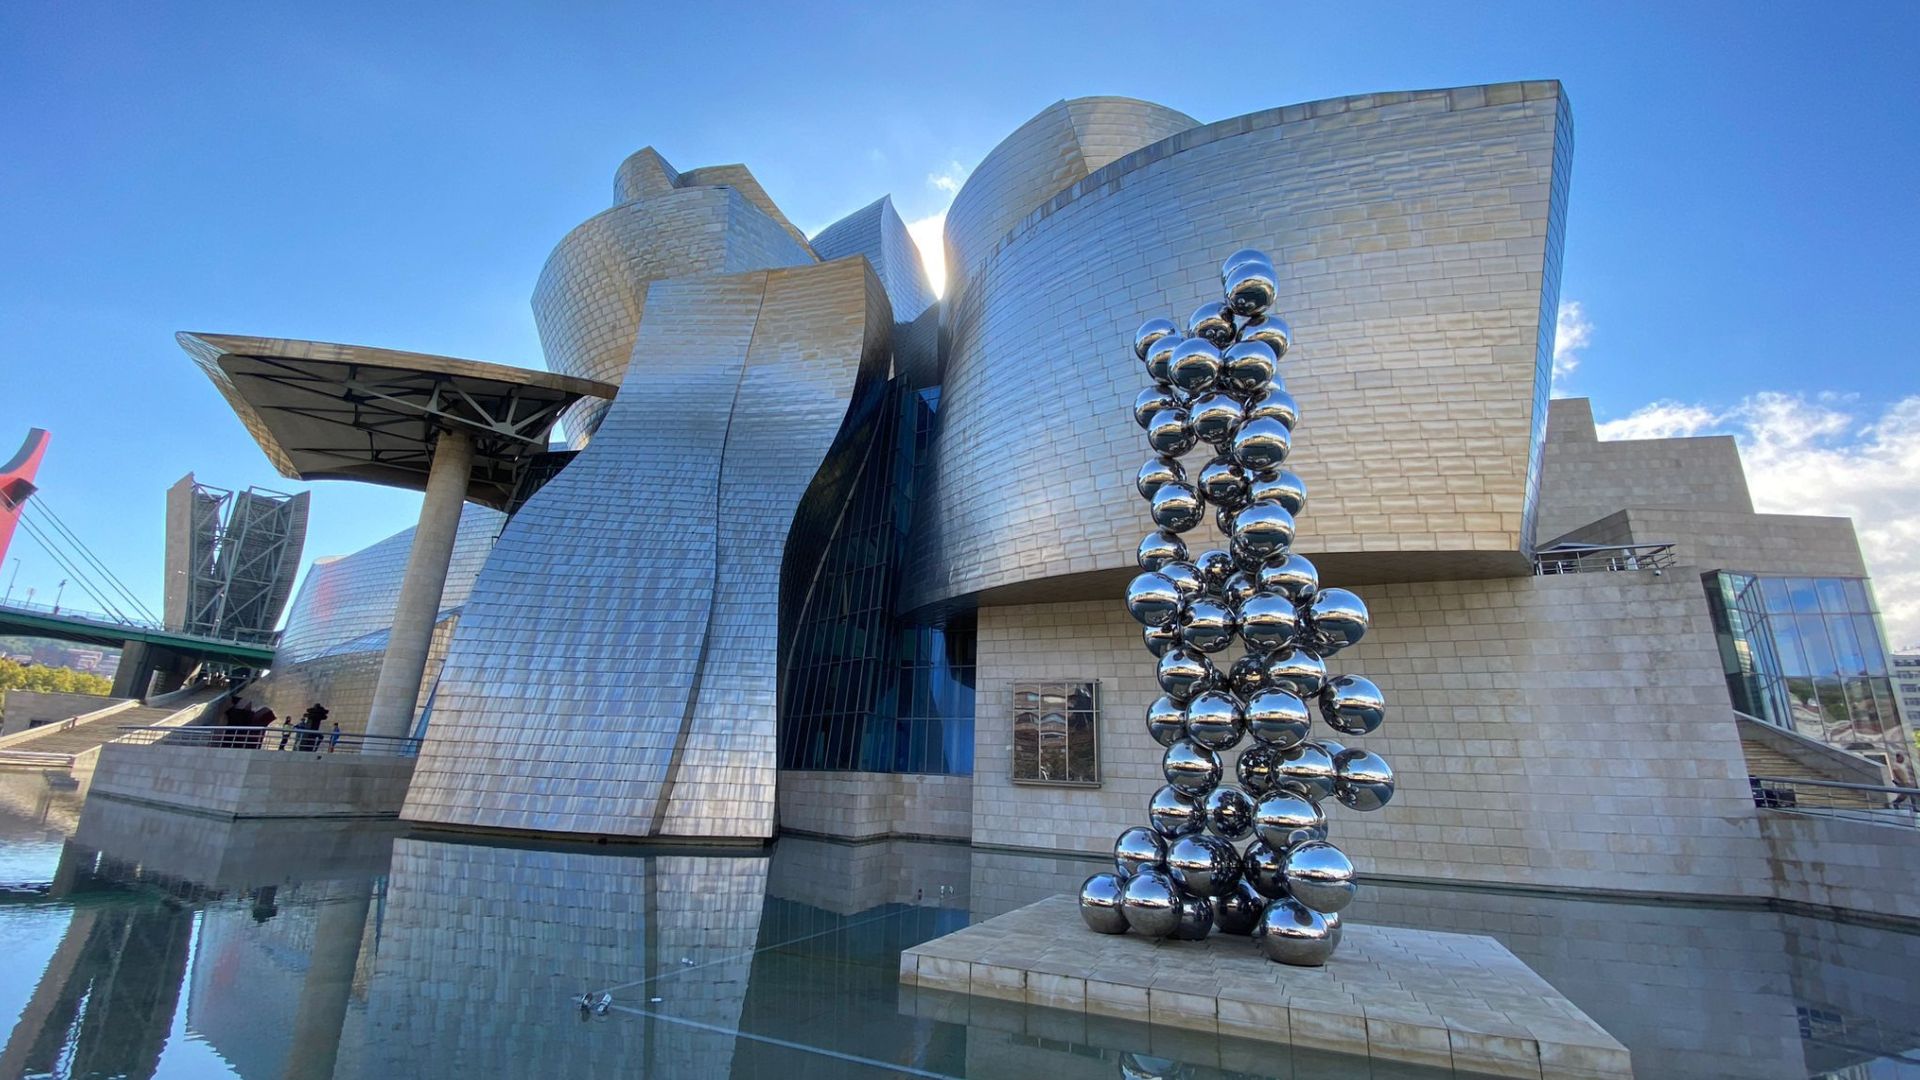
pixel 1572 332
pixel 1824 454
pixel 948 179
pixel 926 234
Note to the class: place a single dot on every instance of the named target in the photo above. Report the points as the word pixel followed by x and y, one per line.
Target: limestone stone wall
pixel 1718 539
pixel 1583 479
pixel 1569 731
pixel 253 783
pixel 1836 862
pixel 866 805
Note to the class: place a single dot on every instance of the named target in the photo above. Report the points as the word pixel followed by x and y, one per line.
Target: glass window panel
pixel 1786 640
pixel 1867 632
pixel 1802 596
pixel 1774 591
pixel 1847 655
pixel 1856 595
pixel 1813 638
pixel 1833 595
pixel 1056 736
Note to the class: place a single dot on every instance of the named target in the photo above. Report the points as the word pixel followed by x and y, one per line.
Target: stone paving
pixel 1446 1000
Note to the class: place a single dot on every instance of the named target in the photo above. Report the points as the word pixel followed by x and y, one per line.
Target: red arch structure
pixel 16 483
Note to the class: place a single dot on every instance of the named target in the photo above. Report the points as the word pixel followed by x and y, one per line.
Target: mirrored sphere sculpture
pixel 1319 875
pixel 1352 705
pixel 1190 767
pixel 1214 720
pixel 1203 865
pixel 1139 849
pixel 1292 933
pixel 1229 813
pixel 1100 897
pixel 1237 910
pixel 1216 379
pixel 1174 813
pixel 1151 903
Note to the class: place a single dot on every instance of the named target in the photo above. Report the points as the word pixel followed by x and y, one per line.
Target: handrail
pixel 260 638
pixel 1602 558
pixel 278 738
pixel 1872 804
pixel 1888 789
pixel 32 733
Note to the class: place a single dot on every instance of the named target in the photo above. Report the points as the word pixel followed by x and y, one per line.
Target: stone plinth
pixel 1448 1000
pixel 234 783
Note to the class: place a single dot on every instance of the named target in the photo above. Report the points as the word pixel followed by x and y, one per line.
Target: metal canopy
pixel 349 412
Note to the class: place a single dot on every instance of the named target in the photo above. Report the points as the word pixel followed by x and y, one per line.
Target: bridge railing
pixel 271 740
pixel 68 611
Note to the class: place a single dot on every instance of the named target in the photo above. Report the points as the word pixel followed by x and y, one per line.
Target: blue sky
pixel 1744 210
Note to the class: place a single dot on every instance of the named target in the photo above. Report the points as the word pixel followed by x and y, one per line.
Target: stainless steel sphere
pixel 1150 401
pixel 1170 432
pixel 1186 578
pixel 1184 672
pixel 1223 482
pixel 1153 599
pixel 1298 671
pixel 1190 767
pixel 1271 329
pixel 1215 417
pixel 1177 507
pixel 1239 588
pixel 1336 618
pixel 1237 911
pixel 1244 255
pixel 1195 367
pixel 1151 331
pixel 1248 368
pixel 1196 919
pixel 1283 487
pixel 1139 849
pixel 1274 404
pixel 1156 472
pixel 1207 625
pixel 1247 676
pixel 1159 358
pixel 1294 577
pixel 1282 819
pixel 1251 288
pixel 1362 780
pixel 1174 813
pixel 1151 904
pixel 1223 517
pixel 1215 567
pixel 1278 718
pixel 1333 750
pixel 1214 720
pixel 1262 868
pixel 1255 769
pixel 1166 721
pixel 1258 444
pixel 1352 705
pixel 1264 530
pixel 1292 933
pixel 1161 638
pixel 1268 621
pixel 1203 865
pixel 1229 813
pixel 1319 875
pixel 1306 769
pixel 1213 323
pixel 1100 897
pixel 1160 548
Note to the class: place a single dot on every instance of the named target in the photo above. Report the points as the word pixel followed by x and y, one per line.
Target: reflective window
pixel 1056 733
pixel 1807 654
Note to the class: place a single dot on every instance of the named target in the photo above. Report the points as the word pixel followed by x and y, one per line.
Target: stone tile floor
pixel 1454 1001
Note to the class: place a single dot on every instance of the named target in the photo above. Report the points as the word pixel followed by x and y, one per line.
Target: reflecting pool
pixel 141 942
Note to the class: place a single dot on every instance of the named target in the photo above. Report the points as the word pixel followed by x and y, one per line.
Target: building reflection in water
pixel 313 950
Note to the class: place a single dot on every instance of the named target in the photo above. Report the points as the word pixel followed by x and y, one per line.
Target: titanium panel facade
pixel 592 291
pixel 1412 234
pixel 616 670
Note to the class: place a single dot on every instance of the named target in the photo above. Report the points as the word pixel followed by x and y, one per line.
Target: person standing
pixel 333 738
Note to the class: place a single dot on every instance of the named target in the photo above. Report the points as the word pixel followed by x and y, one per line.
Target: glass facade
pixel 1806 654
pixel 867 691
pixel 1056 733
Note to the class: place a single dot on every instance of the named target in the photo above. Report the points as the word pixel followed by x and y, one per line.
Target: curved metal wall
pixel 615 671
pixel 592 290
pixel 1061 145
pixel 1411 232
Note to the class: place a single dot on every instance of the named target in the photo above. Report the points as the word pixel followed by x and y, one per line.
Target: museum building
pixel 843 557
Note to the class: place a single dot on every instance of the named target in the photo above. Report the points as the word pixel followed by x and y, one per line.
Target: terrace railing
pixel 1879 804
pixel 276 739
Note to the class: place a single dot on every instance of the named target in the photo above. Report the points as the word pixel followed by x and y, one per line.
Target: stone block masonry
pixel 254 783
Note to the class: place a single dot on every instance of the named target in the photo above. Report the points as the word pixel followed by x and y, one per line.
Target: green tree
pixel 17 676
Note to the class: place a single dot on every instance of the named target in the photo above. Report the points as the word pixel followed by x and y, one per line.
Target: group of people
pixel 253 724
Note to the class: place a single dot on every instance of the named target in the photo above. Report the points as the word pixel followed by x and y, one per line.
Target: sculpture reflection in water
pixel 1184 874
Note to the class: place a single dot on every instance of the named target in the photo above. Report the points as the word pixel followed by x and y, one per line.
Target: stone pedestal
pixel 1448 1000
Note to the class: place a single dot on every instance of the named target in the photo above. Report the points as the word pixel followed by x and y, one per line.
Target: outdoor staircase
pixel 54 746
